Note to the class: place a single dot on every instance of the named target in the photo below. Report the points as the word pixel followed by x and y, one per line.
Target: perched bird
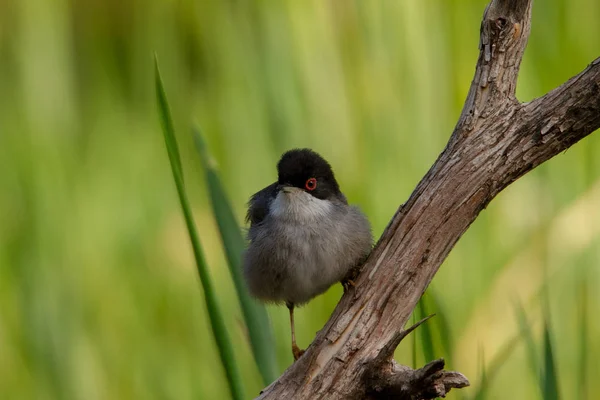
pixel 303 235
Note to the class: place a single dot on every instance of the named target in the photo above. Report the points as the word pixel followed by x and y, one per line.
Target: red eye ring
pixel 311 184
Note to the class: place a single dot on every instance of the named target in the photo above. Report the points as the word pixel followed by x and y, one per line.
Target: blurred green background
pixel 99 297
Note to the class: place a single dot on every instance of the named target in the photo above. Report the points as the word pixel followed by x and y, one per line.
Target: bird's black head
pixel 305 169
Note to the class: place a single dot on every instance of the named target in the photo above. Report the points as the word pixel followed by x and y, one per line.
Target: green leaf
pixel 483 381
pixel 549 379
pixel 530 346
pixel 414 342
pixel 444 326
pixel 426 334
pixel 488 374
pixel 216 317
pixel 255 315
pixel 584 346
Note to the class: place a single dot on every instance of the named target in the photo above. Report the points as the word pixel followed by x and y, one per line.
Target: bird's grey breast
pixel 303 246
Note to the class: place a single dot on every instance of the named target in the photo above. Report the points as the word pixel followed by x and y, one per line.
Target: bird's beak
pixel 289 189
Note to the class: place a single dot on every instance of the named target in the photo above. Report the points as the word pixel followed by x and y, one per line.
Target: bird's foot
pixel 350 279
pixel 297 352
pixel 347 284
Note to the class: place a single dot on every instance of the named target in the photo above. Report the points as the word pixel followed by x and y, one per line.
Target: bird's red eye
pixel 311 184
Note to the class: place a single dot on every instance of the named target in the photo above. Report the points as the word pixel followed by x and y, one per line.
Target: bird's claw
pixel 297 352
pixel 347 284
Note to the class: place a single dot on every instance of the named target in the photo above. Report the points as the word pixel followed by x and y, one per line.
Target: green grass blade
pixel 255 315
pixel 488 374
pixel 530 346
pixel 584 346
pixel 414 343
pixel 444 326
pixel 549 378
pixel 426 334
pixel 482 387
pixel 216 319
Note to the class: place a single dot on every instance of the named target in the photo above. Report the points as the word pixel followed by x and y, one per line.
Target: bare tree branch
pixel 392 381
pixel 496 141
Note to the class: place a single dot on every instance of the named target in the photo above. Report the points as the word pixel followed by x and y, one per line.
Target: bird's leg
pixel 295 349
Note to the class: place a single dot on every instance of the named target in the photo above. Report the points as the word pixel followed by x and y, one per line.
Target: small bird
pixel 303 235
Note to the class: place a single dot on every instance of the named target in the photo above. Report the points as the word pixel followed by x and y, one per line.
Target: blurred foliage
pixel 99 298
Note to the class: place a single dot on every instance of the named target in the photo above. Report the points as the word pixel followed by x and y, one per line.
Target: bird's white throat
pixel 295 204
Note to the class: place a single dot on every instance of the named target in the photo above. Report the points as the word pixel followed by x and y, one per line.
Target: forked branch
pixel 496 141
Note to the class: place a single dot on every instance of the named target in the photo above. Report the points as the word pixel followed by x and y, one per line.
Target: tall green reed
pixel 255 315
pixel 215 315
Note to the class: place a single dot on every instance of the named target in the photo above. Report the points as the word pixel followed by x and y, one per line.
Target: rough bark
pixel 496 140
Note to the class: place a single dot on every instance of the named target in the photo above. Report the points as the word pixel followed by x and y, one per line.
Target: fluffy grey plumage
pixel 303 239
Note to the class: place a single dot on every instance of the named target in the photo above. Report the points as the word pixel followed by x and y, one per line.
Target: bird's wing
pixel 258 206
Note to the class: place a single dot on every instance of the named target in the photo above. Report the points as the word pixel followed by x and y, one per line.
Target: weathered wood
pixel 398 382
pixel 496 141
